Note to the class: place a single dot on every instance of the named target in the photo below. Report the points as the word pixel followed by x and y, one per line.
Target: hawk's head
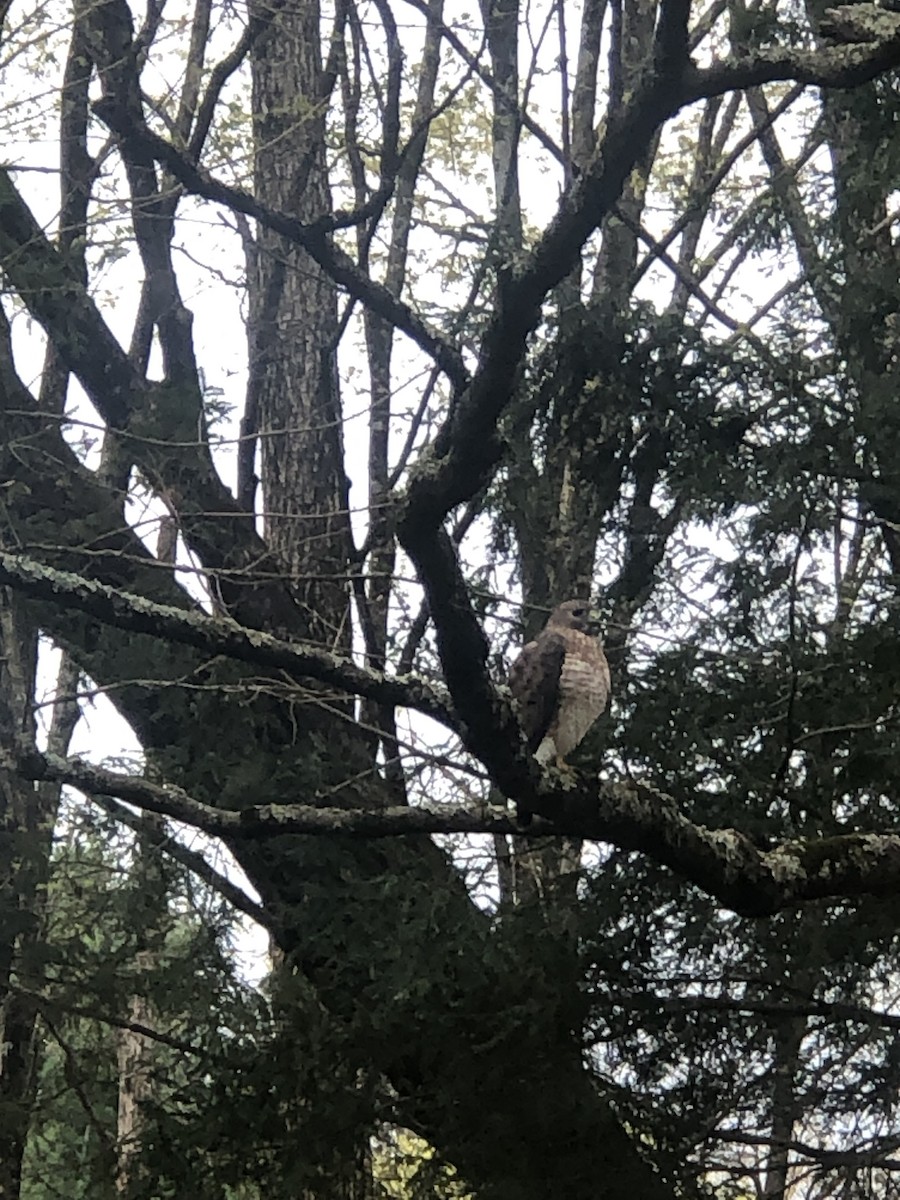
pixel 575 614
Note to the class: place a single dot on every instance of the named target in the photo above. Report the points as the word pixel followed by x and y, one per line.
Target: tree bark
pixel 293 318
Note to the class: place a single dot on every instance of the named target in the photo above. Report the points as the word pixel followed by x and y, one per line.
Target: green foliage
pixel 105 907
pixel 404 1167
pixel 702 433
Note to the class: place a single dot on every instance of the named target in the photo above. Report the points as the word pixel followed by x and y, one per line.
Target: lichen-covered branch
pixel 876 49
pixel 217 636
pixel 725 863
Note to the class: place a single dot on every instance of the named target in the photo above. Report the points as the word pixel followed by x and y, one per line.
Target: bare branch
pixel 472 61
pixel 216 635
pixel 163 839
pixel 723 862
pixel 51 1007
pixel 219 76
pixel 314 238
pixel 782 1010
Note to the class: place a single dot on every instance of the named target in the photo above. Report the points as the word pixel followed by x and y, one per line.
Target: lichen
pixel 729 843
pixel 785 865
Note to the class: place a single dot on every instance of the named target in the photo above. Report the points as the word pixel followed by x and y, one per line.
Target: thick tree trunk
pixel 294 382
pixel 293 320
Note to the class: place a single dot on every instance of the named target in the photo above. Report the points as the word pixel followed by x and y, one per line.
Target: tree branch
pixel 877 49
pixel 671 42
pixel 217 636
pixel 54 1007
pixel 161 838
pixel 314 238
pixel 57 298
pixel 723 862
pixel 782 1010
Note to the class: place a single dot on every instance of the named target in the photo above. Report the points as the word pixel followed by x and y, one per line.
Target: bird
pixel 560 682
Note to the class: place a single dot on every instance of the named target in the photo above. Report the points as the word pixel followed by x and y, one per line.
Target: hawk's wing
pixel 534 683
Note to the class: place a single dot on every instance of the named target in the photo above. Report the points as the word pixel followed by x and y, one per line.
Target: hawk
pixel 560 682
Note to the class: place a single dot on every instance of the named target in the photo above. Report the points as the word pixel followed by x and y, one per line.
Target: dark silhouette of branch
pixel 671 42
pixel 868 1154
pixel 218 77
pixel 784 1010
pixel 314 238
pixel 161 837
pixel 53 1007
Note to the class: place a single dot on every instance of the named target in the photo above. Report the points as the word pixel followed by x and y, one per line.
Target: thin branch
pixel 871 1155
pixel 472 61
pixel 48 1006
pixel 777 1011
pixel 71 1072
pixel 314 237
pixel 165 841
pixel 219 76
pixel 712 183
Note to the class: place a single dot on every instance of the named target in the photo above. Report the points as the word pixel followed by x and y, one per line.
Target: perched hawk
pixel 560 682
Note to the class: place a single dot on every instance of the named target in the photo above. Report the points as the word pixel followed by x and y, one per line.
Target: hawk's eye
pixel 579 612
